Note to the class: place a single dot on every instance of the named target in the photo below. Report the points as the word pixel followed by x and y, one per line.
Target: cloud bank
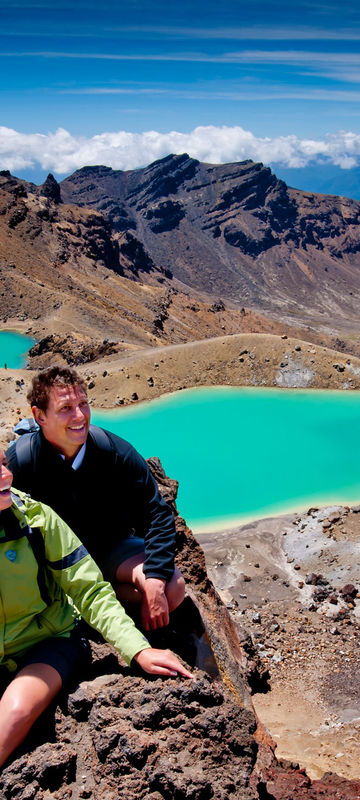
pixel 62 153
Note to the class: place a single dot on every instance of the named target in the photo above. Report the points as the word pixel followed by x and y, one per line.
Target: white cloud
pixel 62 153
pixel 256 32
pixel 251 92
pixel 292 57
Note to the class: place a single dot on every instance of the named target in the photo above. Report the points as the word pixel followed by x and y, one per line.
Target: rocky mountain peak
pixel 51 189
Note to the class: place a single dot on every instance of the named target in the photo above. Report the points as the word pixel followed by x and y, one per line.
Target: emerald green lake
pixel 13 349
pixel 245 453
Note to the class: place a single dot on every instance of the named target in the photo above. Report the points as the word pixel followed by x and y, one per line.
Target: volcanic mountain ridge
pixel 234 230
pixel 139 261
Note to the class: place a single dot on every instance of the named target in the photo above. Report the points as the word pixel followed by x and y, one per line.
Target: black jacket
pixel 111 495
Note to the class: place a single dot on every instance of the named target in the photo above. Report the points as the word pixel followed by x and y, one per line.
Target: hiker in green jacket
pixel 41 644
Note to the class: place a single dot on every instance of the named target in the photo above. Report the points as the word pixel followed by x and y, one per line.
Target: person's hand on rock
pixel 161 662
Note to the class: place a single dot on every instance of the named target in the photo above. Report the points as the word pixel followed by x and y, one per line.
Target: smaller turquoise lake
pixel 240 453
pixel 13 349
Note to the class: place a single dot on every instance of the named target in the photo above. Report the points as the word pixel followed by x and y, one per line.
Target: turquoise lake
pixel 13 349
pixel 240 453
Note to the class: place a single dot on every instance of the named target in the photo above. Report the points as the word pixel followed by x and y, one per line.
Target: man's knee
pixel 175 590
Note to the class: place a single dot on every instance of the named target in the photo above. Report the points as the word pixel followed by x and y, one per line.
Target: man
pixel 103 489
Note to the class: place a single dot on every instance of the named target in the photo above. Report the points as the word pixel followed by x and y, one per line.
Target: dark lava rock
pixel 51 189
pixel 134 250
pixel 314 579
pixel 178 738
pixel 249 245
pixel 99 244
pixel 321 593
pixel 349 590
pixel 166 176
pixel 49 767
pixel 217 306
pixel 18 215
pixel 73 351
pixel 287 782
pixel 165 217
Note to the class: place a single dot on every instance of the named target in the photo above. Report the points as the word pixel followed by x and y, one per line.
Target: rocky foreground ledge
pixel 118 735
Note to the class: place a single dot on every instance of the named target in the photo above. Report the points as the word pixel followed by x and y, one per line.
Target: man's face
pixel 5 483
pixel 65 423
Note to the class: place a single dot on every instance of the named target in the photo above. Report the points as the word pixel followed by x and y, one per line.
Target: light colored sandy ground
pixel 313 708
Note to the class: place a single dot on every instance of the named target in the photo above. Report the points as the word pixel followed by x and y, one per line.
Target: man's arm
pixel 152 517
pixel 153 520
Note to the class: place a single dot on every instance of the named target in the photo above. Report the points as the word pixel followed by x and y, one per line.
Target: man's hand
pixel 161 662
pixel 154 606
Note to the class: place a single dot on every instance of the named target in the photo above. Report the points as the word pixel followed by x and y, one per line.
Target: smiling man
pixel 100 485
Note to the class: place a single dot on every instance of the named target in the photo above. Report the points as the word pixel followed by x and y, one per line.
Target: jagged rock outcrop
pixel 51 189
pixel 121 735
pixel 69 235
pixel 70 349
pixel 234 229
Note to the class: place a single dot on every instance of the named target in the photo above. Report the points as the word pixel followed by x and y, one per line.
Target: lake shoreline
pixel 225 524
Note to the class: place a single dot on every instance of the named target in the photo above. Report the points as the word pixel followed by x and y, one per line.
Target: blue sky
pixel 285 73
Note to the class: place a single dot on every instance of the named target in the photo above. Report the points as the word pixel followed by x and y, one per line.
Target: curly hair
pixel 39 393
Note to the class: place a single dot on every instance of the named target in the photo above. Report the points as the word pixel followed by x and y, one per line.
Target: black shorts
pixel 68 655
pixel 125 549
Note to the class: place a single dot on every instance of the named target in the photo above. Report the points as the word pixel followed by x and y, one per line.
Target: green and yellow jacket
pixel 38 600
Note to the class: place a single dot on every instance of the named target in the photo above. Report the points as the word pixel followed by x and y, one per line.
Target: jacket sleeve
pixel 154 520
pixel 77 574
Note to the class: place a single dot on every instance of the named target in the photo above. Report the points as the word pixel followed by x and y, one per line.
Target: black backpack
pixel 24 445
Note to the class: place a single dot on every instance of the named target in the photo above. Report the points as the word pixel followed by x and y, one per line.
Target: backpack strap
pixel 37 544
pixel 23 450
